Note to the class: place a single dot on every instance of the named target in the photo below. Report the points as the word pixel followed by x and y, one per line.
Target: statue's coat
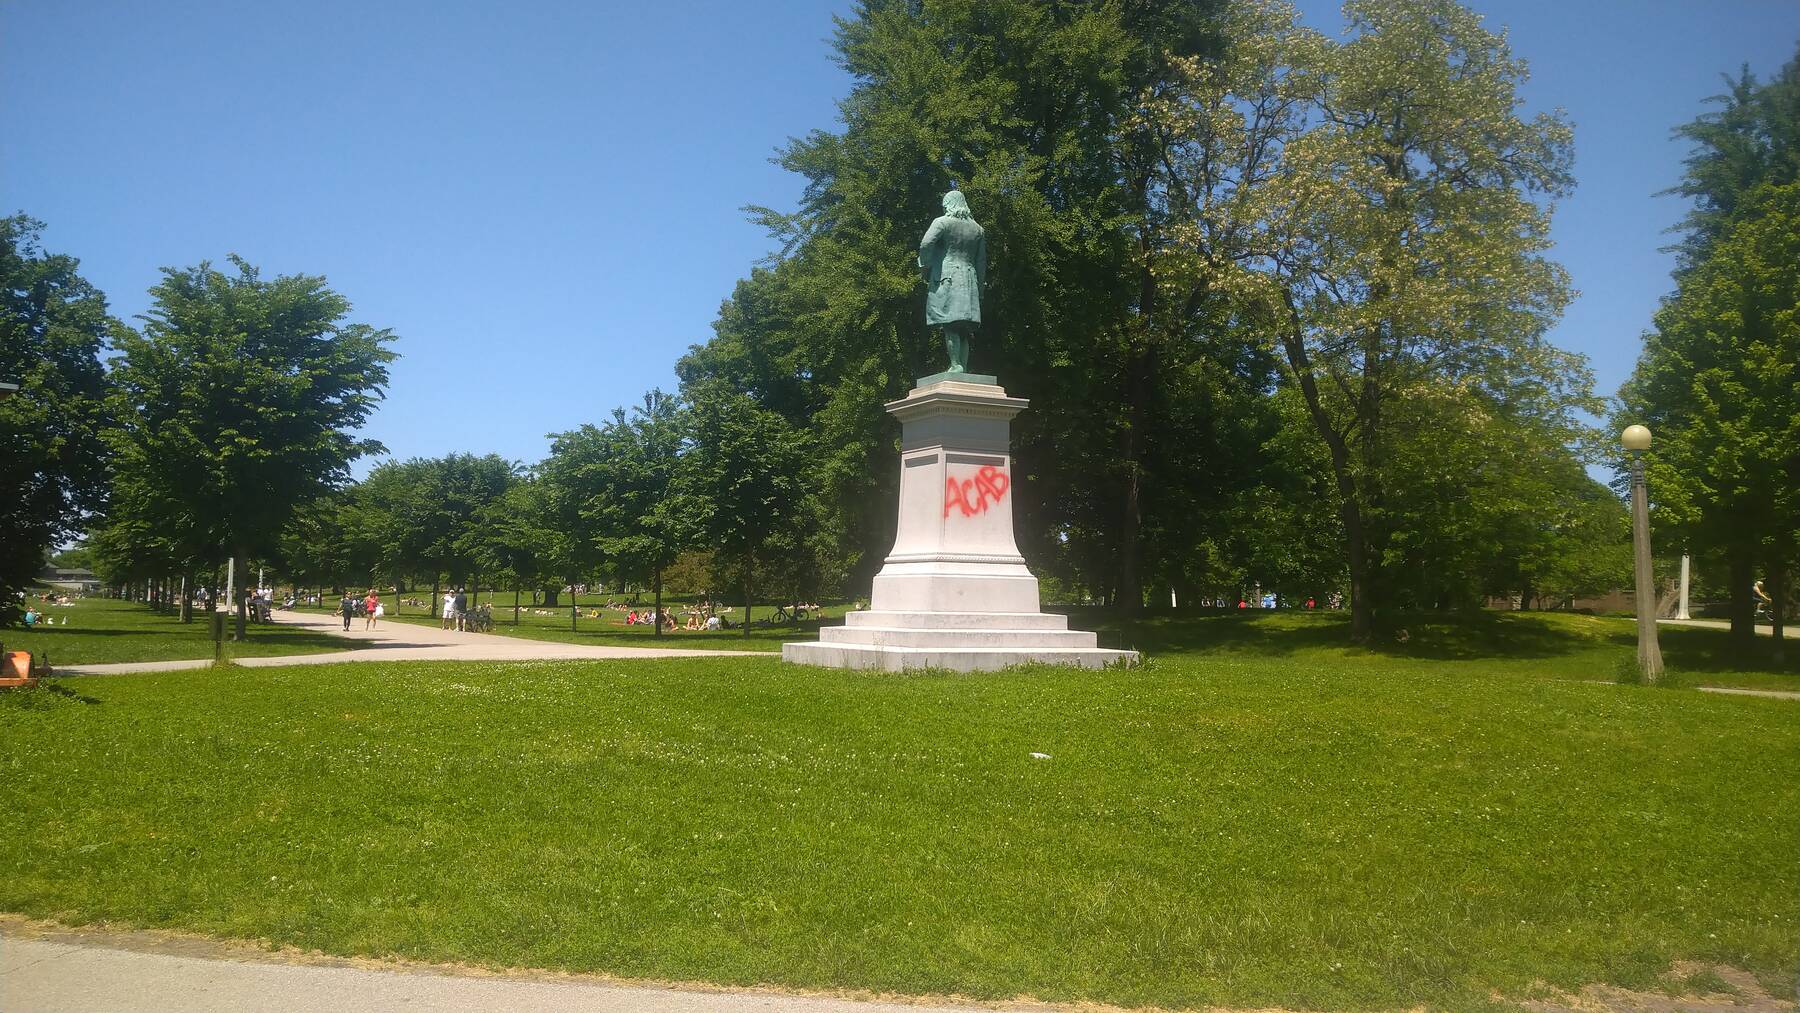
pixel 953 255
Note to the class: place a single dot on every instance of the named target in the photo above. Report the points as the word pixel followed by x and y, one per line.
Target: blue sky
pixel 542 199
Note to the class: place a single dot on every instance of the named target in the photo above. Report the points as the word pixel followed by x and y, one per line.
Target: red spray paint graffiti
pixel 974 495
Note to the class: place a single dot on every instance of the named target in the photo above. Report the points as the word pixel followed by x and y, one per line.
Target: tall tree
pixel 743 485
pixel 515 541
pixel 1402 250
pixel 1033 110
pixel 53 328
pixel 239 401
pixel 428 514
pixel 1719 384
pixel 625 471
pixel 1751 139
pixel 1716 380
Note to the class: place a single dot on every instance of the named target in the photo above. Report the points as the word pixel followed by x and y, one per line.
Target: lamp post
pixel 1636 439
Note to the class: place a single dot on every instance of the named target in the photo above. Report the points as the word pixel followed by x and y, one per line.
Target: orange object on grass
pixel 16 665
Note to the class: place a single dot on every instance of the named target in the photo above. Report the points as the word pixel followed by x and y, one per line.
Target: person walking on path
pixel 370 604
pixel 449 609
pixel 347 608
pixel 462 610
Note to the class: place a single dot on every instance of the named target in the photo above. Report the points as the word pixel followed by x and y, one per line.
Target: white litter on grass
pixel 1040 756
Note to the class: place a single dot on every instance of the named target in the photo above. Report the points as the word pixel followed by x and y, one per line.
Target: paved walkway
pixel 397 641
pixel 1718 624
pixel 74 971
pixel 1778 694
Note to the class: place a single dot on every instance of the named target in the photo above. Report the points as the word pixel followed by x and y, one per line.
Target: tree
pixel 238 402
pixel 52 331
pixel 743 482
pixel 1719 384
pixel 1751 140
pixel 1393 233
pixel 625 473
pixel 429 514
pixel 514 542
pixel 326 545
pixel 75 557
pixel 1717 377
pixel 1141 384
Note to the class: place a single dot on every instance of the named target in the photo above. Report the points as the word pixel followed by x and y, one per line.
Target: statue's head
pixel 956 205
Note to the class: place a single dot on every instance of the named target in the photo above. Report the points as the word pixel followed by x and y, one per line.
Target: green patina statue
pixel 953 258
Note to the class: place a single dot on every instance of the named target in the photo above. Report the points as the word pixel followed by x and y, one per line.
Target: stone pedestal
pixel 954 593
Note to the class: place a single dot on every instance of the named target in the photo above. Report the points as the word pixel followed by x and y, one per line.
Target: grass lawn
pixel 540 622
pixel 1258 817
pixel 106 629
pixel 1558 645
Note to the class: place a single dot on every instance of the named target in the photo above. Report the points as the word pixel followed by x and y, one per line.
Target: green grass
pixel 1259 817
pixel 103 630
pixel 1557 645
pixel 541 622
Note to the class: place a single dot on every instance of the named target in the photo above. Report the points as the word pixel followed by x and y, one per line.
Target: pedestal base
pixel 954 592
pixel 960 641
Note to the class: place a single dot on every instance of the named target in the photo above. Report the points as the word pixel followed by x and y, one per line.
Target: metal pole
pixel 1650 663
pixel 1681 611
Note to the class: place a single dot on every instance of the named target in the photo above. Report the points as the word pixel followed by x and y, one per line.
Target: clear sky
pixel 542 198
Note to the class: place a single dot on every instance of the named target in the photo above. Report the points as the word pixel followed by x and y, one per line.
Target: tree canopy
pixel 1718 381
pixel 237 404
pixel 53 328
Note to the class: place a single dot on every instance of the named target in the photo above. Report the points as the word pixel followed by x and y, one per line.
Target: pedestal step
pixel 958 620
pixel 960 659
pixel 875 636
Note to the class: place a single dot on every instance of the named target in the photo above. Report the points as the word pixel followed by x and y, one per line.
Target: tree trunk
pixel 551 596
pixel 437 593
pixel 656 591
pixel 1140 370
pixel 1778 600
pixel 1362 592
pixel 187 597
pixel 746 630
pixel 515 603
pixel 238 606
pixel 1742 567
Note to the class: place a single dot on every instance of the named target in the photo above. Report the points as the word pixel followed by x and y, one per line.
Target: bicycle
pixel 480 620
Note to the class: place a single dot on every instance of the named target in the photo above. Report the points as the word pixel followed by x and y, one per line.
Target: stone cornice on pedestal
pixel 953 397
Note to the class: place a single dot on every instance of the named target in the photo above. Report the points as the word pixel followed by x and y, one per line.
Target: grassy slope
pixel 1261 821
pixel 105 630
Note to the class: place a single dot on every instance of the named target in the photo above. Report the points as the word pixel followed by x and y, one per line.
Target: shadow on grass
pixel 58 689
pixel 1425 636
pixel 1698 650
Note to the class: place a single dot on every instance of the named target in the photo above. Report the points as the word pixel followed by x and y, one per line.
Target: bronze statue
pixel 953 258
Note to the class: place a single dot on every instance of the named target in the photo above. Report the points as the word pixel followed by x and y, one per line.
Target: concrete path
pixel 70 971
pixel 395 641
pixel 1765 629
pixel 1778 694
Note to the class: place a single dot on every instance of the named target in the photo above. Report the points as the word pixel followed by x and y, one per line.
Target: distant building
pixel 73 581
